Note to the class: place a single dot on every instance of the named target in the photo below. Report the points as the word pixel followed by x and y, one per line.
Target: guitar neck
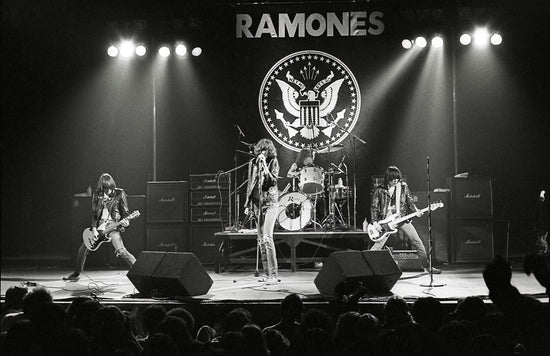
pixel 411 215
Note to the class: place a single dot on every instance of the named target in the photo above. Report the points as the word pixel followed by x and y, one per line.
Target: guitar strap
pixel 398 198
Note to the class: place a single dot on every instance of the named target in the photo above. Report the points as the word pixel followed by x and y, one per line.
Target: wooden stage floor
pixel 239 285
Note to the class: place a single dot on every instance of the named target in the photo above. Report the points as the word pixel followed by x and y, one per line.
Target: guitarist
pixel 394 196
pixel 109 204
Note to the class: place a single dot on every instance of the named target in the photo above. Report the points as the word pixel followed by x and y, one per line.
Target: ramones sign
pixel 329 24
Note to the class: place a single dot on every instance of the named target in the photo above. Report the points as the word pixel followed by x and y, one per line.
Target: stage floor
pixel 241 286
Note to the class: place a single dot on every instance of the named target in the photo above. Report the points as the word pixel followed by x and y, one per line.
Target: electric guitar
pixel 381 230
pixel 92 243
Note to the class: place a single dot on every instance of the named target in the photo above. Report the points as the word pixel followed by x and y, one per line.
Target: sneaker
pixel 73 277
pixel 434 270
pixel 272 281
pixel 263 278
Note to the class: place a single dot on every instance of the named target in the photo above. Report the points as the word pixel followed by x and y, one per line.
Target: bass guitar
pixel 92 243
pixel 380 231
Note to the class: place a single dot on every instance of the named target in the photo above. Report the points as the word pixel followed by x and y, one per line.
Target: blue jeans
pixel 120 251
pixel 411 235
pixel 266 243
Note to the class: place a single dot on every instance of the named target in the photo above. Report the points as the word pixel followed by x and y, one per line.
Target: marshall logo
pixel 305 97
pixel 167 200
pixel 472 242
pixel 472 196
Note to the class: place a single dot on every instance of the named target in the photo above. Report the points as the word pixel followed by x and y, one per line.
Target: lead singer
pixel 263 171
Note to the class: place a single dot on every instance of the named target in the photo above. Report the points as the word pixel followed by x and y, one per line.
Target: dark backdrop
pixel 69 112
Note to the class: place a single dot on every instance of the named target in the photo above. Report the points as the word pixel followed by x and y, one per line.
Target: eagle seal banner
pixel 309 99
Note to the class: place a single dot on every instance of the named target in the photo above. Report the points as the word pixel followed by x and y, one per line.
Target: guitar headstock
pixel 436 205
pixel 133 215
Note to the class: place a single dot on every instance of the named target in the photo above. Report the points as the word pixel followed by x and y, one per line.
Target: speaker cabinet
pixel 472 241
pixel 202 242
pixel 167 202
pixel 167 237
pixel 342 272
pixel 169 274
pixel 441 235
pixel 471 198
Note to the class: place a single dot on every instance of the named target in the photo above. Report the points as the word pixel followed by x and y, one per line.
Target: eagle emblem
pixel 309 99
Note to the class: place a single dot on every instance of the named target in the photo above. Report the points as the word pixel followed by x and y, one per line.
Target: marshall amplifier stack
pixel 167 216
pixel 209 205
pixel 471 219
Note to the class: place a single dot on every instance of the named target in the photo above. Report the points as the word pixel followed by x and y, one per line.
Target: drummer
pixel 305 159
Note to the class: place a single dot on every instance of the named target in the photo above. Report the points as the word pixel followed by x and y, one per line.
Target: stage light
pixel 465 39
pixel 127 49
pixel 420 42
pixel 196 51
pixel 181 50
pixel 112 51
pixel 407 44
pixel 496 39
pixel 437 42
pixel 164 51
pixel 141 50
pixel 481 37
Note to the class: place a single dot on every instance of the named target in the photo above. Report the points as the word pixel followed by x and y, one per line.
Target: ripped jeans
pixel 120 251
pixel 266 243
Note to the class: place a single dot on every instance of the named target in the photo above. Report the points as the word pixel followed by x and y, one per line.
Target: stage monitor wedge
pixel 169 274
pixel 374 271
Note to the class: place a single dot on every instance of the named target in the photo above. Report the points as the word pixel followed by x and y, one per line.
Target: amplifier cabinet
pixel 202 242
pixel 203 198
pixel 209 215
pixel 167 202
pixel 208 181
pixel 472 241
pixel 168 237
pixel 471 198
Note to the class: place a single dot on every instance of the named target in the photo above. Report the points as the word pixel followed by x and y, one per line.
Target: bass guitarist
pixel 109 204
pixel 394 196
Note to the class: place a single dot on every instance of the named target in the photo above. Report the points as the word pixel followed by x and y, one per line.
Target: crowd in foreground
pixel 32 324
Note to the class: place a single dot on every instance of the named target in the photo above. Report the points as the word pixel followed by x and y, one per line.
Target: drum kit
pixel 298 207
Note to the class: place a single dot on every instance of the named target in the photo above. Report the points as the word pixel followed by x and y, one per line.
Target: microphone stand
pixel 259 217
pixel 354 138
pixel 430 241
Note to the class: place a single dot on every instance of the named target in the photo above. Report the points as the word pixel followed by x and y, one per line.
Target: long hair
pixel 302 155
pixel 265 144
pixel 392 172
pixel 104 183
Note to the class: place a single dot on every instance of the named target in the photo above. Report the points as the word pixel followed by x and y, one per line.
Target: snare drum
pixel 294 211
pixel 311 180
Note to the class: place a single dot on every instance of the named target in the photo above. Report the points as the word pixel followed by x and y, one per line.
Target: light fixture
pixel 127 49
pixel 164 51
pixel 496 39
pixel 437 42
pixel 420 42
pixel 465 39
pixel 407 44
pixel 181 50
pixel 196 51
pixel 141 50
pixel 481 37
pixel 112 51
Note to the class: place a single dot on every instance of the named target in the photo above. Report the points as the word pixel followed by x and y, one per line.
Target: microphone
pixel 248 144
pixel 240 131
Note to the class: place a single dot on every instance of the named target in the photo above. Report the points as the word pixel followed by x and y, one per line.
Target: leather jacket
pixel 117 204
pixel 270 192
pixel 381 201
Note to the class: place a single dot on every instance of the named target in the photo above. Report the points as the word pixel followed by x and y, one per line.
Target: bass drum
pixel 294 211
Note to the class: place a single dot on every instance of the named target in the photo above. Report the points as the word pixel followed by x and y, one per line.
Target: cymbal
pixel 330 149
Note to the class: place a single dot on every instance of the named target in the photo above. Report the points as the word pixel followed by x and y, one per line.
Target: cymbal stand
pixel 331 219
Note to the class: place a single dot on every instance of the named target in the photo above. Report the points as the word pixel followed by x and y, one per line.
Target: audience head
pixel 206 334
pixel 176 328
pixel 316 318
pixel 396 313
pixel 368 328
pixel 236 320
pixel 428 312
pixel 254 341
pixel 35 299
pixel 186 316
pixel 292 308
pixel 317 342
pixel 470 309
pixel 160 344
pixel 152 316
pixel 14 298
pixel 233 343
pixel 346 326
pixel 276 342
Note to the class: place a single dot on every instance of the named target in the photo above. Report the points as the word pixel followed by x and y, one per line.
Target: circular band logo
pixel 306 98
